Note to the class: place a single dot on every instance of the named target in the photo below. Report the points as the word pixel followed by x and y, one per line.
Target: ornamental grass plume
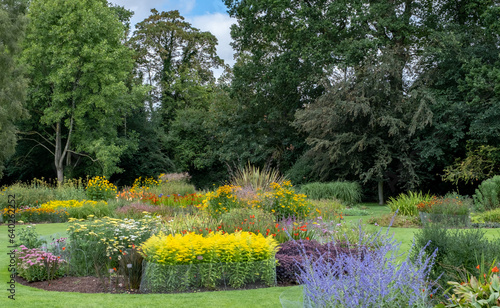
pixel 369 276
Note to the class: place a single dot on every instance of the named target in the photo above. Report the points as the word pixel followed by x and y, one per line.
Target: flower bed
pixel 96 246
pixel 186 262
pixel 37 265
pixel 445 219
pixel 36 214
pixel 67 204
pixel 451 211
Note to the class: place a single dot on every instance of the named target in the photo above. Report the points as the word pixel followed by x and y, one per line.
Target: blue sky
pixel 206 15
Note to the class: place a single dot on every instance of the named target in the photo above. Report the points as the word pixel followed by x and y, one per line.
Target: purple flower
pixel 369 276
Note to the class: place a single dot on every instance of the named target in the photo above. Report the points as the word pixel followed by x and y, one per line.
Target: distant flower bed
pixel 282 201
pixel 66 204
pixel 36 214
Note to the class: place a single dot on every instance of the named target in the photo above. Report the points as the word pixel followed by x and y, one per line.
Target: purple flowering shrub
pixel 37 265
pixel 290 257
pixel 369 276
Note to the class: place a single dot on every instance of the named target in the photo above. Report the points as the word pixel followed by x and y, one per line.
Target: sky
pixel 206 15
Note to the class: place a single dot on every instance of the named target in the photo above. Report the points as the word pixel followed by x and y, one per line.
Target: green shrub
pixel 100 209
pixel 347 192
pixel 99 188
pixel 487 195
pixel 173 188
pixel 248 219
pixel 26 195
pixel 29 237
pixel 39 191
pixel 328 209
pixel 458 250
pixel 406 204
pixel 399 221
pixel 488 216
pixel 445 206
pixel 222 200
pixel 355 211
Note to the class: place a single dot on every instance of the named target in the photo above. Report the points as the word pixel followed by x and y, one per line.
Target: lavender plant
pixel 369 276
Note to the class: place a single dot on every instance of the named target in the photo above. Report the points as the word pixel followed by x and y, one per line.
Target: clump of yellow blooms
pixel 59 204
pixel 143 184
pixel 221 200
pixel 194 248
pixel 283 201
pixel 99 188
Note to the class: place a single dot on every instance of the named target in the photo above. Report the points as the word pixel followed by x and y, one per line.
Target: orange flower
pixel 64 248
pixel 494 270
pixel 114 268
pixel 477 267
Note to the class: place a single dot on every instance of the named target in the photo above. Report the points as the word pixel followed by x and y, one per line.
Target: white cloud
pixel 142 9
pixel 219 25
pixel 216 23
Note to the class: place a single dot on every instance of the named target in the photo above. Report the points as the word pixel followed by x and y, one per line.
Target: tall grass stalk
pixel 257 179
pixel 347 192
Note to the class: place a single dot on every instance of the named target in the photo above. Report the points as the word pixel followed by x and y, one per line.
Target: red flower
pixel 494 270
pixel 64 248
pixel 477 267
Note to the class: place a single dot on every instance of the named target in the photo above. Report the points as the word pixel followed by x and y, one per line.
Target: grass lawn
pixel 266 297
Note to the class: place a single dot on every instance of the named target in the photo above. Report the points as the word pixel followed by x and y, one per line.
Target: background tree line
pixel 397 95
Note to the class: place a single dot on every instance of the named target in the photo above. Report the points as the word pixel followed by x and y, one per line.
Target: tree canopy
pixel 78 68
pixel 12 81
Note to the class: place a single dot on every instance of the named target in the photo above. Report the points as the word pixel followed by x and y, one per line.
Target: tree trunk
pixel 58 153
pixel 381 192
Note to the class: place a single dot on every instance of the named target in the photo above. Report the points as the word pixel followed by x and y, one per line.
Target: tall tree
pixel 78 66
pixel 283 48
pixel 463 75
pixel 365 122
pixel 169 51
pixel 12 83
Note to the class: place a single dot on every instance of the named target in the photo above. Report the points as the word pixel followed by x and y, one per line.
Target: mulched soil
pixel 88 285
pixel 76 284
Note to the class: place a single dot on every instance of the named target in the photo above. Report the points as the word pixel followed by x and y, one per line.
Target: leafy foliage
pixel 78 67
pixel 450 256
pixel 487 195
pixel 406 204
pixel 12 81
pixel 290 257
pixel 99 188
pixel 29 237
pixel 348 192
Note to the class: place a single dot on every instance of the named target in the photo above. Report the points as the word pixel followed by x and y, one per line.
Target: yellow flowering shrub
pixel 221 200
pixel 143 184
pixel 194 248
pixel 284 202
pixel 59 204
pixel 99 188
pixel 192 261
